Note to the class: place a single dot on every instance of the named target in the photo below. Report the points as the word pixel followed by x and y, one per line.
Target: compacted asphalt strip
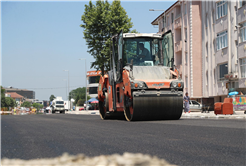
pixel 182 142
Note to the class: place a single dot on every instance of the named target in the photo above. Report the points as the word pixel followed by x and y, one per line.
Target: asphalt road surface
pixel 180 142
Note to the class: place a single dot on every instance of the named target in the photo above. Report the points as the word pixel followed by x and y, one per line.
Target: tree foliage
pixel 37 105
pixel 3 103
pixel 10 102
pixel 100 22
pixel 80 102
pixel 52 97
pixel 1 90
pixel 78 94
pixel 26 104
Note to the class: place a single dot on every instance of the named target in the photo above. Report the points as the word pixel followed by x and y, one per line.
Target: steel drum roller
pixel 157 107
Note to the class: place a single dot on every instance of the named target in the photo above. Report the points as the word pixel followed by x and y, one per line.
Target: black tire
pixel 127 113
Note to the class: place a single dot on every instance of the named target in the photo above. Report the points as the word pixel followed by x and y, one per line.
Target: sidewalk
pixel 89 112
pixel 210 115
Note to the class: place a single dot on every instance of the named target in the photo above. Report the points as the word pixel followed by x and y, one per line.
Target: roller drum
pixel 157 108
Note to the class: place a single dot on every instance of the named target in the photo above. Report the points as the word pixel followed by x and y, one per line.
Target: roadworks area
pixel 127 159
pixel 192 114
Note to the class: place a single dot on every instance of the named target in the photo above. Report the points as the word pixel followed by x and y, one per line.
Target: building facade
pixel 27 94
pixel 210 46
pixel 93 82
pixel 183 18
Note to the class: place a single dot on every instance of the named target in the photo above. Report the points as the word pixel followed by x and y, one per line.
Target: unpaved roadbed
pixel 127 159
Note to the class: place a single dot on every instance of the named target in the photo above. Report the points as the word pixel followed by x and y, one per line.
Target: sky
pixel 39 40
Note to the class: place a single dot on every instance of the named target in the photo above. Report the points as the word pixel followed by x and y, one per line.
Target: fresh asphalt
pixel 181 142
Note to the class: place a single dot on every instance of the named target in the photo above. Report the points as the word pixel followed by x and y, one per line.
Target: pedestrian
pixel 240 93
pixel 186 103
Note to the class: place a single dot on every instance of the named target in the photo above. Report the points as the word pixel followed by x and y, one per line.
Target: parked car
pixel 195 106
pixel 89 107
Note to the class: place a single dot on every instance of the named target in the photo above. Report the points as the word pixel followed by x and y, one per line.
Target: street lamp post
pixel 85 83
pixel 68 89
pixel 156 10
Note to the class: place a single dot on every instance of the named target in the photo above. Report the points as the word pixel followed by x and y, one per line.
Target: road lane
pixel 181 142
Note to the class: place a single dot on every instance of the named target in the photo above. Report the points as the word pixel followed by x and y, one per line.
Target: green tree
pixel 52 97
pixel 81 102
pixel 3 103
pixel 1 90
pixel 9 102
pixel 37 105
pixel 26 104
pixel 2 100
pixel 100 22
pixel 78 94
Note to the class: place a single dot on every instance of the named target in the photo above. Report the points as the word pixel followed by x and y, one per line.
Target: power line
pixel 49 88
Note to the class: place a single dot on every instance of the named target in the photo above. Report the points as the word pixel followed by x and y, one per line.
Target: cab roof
pixel 132 35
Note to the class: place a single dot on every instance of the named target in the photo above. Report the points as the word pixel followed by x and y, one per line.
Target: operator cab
pixel 146 50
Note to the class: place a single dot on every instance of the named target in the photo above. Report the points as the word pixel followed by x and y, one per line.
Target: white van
pixel 58 105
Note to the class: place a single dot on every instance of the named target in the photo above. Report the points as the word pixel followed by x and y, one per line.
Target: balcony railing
pixel 179 67
pixel 178 46
pixel 177 23
pixel 178 15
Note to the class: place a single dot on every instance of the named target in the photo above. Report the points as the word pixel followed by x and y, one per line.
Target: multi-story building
pixel 93 80
pixel 224 48
pixel 27 94
pixel 210 46
pixel 18 98
pixel 183 18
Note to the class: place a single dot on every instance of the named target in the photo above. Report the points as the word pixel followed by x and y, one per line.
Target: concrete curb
pixel 211 115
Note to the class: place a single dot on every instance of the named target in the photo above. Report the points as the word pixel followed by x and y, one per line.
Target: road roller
pixel 143 82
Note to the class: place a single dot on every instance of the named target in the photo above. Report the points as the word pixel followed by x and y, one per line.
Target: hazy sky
pixel 42 39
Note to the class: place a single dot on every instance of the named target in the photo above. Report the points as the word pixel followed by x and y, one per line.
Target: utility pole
pixel 85 82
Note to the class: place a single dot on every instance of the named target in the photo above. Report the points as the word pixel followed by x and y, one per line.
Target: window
pixel 243 67
pixel 206 21
pixel 186 34
pixel 94 79
pixel 92 90
pixel 243 32
pixel 59 102
pixel 242 3
pixel 172 17
pixel 223 69
pixel 195 103
pixel 221 8
pixel 186 57
pixel 221 40
pixel 185 9
pixel 164 22
pixel 207 78
pixel 167 21
pixel 186 82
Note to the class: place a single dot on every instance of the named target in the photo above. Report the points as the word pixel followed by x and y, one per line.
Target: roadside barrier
pixel 4 109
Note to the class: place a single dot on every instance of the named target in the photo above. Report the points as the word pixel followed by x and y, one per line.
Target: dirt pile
pixel 127 159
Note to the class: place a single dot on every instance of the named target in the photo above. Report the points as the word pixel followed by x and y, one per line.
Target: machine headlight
pixel 177 84
pixel 138 84
pixel 174 84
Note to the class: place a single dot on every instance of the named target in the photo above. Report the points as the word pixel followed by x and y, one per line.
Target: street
pixel 180 142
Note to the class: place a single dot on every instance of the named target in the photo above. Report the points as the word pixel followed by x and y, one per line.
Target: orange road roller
pixel 143 82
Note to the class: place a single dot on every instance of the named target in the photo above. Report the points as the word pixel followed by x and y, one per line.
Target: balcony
pixel 177 23
pixel 179 67
pixel 178 46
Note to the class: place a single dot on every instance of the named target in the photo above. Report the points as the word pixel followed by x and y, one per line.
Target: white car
pixel 195 106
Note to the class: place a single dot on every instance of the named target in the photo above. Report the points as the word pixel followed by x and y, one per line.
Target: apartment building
pixel 210 46
pixel 93 78
pixel 27 94
pixel 184 19
pixel 224 48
